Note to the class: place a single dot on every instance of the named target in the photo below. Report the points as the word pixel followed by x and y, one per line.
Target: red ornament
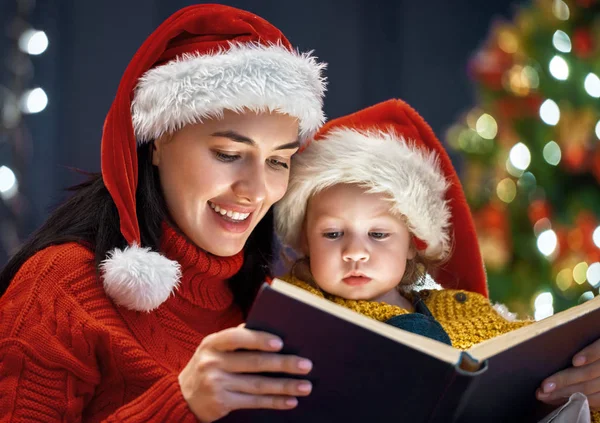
pixel 538 209
pixel 574 158
pixel 593 256
pixel 562 236
pixel 583 43
pixel 493 216
pixel 596 165
pixel 585 3
pixel 514 107
pixel 488 66
pixel 587 223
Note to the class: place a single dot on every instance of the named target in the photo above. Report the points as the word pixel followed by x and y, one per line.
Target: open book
pixel 368 371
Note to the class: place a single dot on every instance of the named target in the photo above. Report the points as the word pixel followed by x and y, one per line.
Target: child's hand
pixel 583 377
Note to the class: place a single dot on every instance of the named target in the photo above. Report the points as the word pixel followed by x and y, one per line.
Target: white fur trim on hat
pixel 138 278
pixel 246 76
pixel 503 311
pixel 382 162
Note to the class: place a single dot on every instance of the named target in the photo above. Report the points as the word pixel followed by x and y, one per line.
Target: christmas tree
pixel 531 156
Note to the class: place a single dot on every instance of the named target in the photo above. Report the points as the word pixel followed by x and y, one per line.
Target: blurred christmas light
pixel 579 272
pixel 592 85
pixel 512 170
pixel 561 41
pixel 527 181
pixel 452 135
pixel 532 76
pixel 508 41
pixel 33 42
pixel 586 296
pixel 34 101
pixel 543 305
pixel 547 242
pixel 519 80
pixel 561 10
pixel 10 115
pixel 543 239
pixel 506 190
pixel 564 279
pixel 541 225
pixel 552 153
pixel 519 156
pixel 8 183
pixel 472 117
pixel 486 126
pixel 593 274
pixel 559 68
pixel 596 237
pixel 549 112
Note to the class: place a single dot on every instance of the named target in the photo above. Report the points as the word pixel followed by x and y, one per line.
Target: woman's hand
pixel 583 377
pixel 216 380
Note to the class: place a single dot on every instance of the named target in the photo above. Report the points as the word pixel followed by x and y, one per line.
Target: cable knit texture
pixel 67 353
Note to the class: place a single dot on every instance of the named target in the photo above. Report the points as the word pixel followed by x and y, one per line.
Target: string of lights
pixel 19 97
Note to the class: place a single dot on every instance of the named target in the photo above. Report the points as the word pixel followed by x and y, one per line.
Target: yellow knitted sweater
pixel 467 317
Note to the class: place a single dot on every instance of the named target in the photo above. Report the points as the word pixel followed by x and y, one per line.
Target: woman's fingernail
pixel 291 402
pixel 275 343
pixel 305 387
pixel 305 365
pixel 549 387
pixel 579 360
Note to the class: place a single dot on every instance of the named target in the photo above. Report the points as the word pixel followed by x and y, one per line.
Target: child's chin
pixel 358 297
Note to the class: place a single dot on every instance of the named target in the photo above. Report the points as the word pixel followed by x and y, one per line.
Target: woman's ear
pixel 157 148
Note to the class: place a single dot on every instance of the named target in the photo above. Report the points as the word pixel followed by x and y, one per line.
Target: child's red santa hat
pixel 202 60
pixel 388 148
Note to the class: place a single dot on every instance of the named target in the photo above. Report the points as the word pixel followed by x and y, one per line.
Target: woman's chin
pixel 225 249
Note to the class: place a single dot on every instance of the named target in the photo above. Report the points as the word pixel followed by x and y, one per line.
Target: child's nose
pixel 355 251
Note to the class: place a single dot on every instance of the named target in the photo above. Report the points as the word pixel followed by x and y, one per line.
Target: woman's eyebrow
pixel 289 145
pixel 234 136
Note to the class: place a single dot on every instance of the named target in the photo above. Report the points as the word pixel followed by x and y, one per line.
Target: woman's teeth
pixel 230 214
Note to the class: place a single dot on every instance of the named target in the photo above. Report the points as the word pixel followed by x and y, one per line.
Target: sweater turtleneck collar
pixel 203 275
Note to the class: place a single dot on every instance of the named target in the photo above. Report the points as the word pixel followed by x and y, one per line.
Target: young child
pixel 375 210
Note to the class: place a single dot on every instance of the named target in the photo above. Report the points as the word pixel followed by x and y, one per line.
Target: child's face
pixel 357 249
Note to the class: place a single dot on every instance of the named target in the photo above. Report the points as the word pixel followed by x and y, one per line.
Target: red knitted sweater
pixel 67 353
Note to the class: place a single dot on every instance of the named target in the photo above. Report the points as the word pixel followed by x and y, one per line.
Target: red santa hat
pixel 201 61
pixel 388 148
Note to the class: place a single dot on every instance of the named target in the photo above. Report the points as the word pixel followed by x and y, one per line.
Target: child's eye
pixel 332 235
pixel 278 164
pixel 379 235
pixel 227 158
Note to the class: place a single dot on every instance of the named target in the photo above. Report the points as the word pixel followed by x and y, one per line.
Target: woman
pixel 126 305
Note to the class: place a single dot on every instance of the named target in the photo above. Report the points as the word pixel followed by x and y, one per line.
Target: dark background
pixel 376 49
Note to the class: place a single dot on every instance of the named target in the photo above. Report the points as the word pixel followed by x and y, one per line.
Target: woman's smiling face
pixel 220 177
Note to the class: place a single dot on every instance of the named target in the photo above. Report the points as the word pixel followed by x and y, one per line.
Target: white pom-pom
pixel 138 278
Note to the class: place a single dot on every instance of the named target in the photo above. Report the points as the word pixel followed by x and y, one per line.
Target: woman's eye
pixel 332 235
pixel 379 235
pixel 226 157
pixel 278 164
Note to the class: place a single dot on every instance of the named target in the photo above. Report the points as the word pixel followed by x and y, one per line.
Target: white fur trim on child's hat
pixel 383 163
pixel 248 76
pixel 138 278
